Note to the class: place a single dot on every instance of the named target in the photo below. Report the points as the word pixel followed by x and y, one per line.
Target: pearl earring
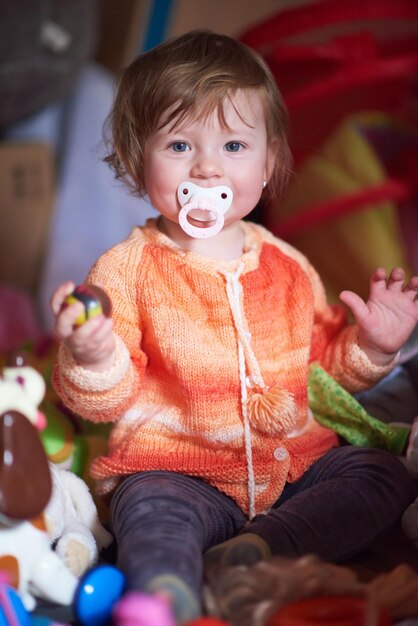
pixel 264 184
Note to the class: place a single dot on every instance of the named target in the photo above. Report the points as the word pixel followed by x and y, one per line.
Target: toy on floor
pixel 331 610
pixel 254 596
pixel 143 609
pixel 33 568
pixel 70 513
pixel 97 594
pixel 207 621
pixel 13 612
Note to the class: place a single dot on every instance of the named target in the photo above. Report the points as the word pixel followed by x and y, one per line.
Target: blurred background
pixel 348 73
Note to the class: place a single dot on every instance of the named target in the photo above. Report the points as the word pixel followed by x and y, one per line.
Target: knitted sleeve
pixel 105 396
pixel 334 340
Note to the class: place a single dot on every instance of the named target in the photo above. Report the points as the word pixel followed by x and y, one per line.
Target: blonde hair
pixel 187 78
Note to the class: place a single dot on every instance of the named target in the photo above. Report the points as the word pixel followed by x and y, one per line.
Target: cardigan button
pixel 253 381
pixel 280 454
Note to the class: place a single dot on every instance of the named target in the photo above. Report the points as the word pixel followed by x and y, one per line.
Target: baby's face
pixel 206 154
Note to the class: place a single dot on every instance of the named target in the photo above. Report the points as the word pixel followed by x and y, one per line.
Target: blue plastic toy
pixel 12 610
pixel 99 590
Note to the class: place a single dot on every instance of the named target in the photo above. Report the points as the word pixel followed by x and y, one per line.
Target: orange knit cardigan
pixel 197 338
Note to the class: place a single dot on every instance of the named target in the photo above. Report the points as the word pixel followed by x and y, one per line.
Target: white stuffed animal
pixel 32 567
pixel 72 522
pixel 27 509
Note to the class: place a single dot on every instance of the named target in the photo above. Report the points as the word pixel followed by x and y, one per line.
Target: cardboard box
pixel 126 26
pixel 122 26
pixel 26 202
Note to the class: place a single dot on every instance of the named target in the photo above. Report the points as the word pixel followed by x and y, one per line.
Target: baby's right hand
pixel 92 344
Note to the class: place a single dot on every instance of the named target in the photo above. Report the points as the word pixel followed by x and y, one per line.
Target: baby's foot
pixel 186 606
pixel 245 549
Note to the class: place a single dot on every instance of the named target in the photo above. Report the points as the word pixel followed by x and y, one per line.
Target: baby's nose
pixel 206 166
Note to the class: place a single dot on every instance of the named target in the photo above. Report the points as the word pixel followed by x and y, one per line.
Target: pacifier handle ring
pixel 195 231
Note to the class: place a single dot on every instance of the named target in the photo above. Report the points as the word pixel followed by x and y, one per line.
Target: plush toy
pixel 36 496
pixel 72 522
pixel 26 557
pixel 23 390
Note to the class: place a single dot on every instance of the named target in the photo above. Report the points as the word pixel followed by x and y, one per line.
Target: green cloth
pixel 335 408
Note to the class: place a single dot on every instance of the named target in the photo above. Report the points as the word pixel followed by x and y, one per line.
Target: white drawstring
pixel 234 290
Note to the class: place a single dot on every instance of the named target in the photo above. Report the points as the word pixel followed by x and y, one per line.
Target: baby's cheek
pixel 246 198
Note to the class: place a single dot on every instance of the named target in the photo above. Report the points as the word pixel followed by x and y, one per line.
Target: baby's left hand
pixel 388 317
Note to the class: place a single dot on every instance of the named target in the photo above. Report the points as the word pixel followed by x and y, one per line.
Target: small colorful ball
pixel 95 300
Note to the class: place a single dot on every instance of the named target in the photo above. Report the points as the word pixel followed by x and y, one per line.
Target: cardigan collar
pixel 248 261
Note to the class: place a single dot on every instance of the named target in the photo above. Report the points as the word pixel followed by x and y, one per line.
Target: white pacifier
pixel 203 204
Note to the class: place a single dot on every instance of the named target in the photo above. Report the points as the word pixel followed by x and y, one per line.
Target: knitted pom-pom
pixel 272 411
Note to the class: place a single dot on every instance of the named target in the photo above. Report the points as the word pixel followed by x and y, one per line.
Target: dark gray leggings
pixel 164 521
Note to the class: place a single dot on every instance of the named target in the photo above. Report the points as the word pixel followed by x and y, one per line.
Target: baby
pixel 203 366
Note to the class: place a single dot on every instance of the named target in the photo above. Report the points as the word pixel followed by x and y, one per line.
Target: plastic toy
pixel 142 609
pixel 22 390
pixel 12 611
pixel 95 300
pixel 42 620
pixel 207 621
pixel 98 592
pixel 330 611
pixel 26 556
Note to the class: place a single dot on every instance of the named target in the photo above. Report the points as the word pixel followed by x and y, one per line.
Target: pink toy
pixel 143 609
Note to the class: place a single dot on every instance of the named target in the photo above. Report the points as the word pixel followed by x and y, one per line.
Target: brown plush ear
pixel 25 479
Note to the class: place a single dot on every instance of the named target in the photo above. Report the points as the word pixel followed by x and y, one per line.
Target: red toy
pixel 207 621
pixel 330 611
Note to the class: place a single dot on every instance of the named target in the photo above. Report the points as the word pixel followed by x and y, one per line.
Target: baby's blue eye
pixel 180 146
pixel 233 146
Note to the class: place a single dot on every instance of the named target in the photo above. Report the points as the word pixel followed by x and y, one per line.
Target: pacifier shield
pixel 203 204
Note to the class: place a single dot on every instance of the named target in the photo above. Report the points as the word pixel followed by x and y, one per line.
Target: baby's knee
pixel 380 465
pixel 390 473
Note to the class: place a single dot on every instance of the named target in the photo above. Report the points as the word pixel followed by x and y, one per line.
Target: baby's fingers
pixel 355 304
pixel 59 296
pixel 97 331
pixel 411 288
pixel 93 343
pixel 396 279
pixel 381 281
pixel 66 317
